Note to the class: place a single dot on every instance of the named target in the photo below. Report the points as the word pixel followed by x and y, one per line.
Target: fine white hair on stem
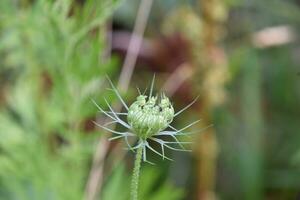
pixel 164 143
pixel 116 116
pixel 145 156
pixel 127 142
pixel 137 146
pixel 162 150
pixel 198 131
pixel 152 85
pixel 174 137
pixel 178 131
pixel 117 93
pixel 149 147
pixel 186 107
pixel 139 91
pixel 108 129
pixel 172 127
pixel 109 112
pixel 116 120
pixel 109 123
pixel 116 137
pixel 188 126
pixel 145 90
pixel 118 113
pixel 103 111
pixel 187 133
pixel 125 135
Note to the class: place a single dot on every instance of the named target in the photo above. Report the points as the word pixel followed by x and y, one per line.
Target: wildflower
pixel 147 119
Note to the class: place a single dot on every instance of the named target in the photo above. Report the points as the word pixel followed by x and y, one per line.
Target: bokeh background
pixel 241 57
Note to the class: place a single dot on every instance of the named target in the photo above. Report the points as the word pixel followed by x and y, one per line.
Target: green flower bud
pixel 147 116
pixel 147 119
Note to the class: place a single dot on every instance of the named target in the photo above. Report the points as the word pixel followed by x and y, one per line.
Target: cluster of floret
pixel 148 116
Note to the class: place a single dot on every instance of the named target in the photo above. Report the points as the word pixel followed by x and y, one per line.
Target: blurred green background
pixel 241 56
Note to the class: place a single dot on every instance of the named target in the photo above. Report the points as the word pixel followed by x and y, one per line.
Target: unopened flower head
pixel 148 115
pixel 147 119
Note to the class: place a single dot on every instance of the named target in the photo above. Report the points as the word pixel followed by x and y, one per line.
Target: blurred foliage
pixel 52 61
pixel 45 150
pixel 257 127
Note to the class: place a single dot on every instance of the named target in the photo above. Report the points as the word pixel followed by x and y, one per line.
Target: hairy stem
pixel 136 174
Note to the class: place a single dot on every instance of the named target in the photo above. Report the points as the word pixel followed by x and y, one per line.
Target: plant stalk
pixel 136 174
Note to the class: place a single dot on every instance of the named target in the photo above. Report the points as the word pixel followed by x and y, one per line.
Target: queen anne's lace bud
pixel 148 116
pixel 147 119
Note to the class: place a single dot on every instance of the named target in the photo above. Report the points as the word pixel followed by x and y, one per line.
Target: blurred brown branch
pixel 135 44
pixel 214 74
pixel 96 174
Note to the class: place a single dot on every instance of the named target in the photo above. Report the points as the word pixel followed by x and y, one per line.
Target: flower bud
pixel 147 116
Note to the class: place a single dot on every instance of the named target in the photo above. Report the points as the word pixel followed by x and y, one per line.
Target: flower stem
pixel 136 174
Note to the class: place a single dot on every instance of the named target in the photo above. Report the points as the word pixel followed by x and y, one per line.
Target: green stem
pixel 136 174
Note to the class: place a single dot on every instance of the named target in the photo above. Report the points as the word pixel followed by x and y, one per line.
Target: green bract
pixel 148 116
